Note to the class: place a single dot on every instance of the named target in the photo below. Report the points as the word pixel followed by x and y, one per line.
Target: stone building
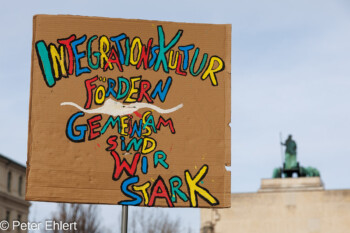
pixel 12 191
pixel 286 205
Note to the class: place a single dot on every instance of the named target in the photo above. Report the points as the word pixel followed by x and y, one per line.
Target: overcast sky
pixel 290 74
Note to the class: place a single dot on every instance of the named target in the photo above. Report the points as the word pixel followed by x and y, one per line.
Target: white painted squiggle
pixel 115 108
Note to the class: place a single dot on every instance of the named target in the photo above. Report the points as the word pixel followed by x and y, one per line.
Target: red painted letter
pixel 159 186
pixel 123 165
pixel 89 87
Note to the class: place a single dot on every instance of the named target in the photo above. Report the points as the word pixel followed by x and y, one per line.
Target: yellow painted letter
pixel 194 188
pixel 133 90
pixel 146 150
pixel 143 189
pixel 58 58
pixel 132 51
pixel 210 71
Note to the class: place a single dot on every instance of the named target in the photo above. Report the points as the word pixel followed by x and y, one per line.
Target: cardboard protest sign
pixel 129 112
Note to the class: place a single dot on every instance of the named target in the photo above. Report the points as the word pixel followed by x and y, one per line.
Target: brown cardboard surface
pixel 75 153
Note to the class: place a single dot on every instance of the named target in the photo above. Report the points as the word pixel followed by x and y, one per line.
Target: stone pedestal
pixel 291 184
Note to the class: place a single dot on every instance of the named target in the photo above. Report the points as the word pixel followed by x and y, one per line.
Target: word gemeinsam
pixel 64 59
pixel 124 125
